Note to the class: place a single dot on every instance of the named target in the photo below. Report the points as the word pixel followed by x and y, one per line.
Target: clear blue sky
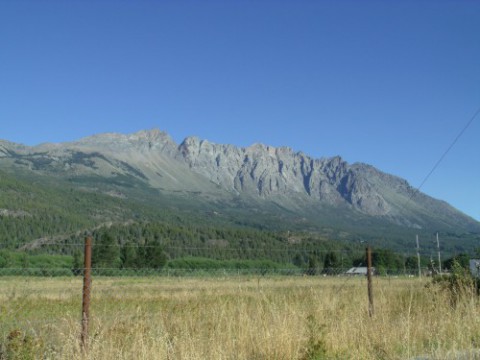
pixel 389 83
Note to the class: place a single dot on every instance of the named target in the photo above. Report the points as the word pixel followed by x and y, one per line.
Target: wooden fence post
pixel 87 284
pixel 369 281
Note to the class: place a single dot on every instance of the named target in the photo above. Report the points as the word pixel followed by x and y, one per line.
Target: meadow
pixel 237 317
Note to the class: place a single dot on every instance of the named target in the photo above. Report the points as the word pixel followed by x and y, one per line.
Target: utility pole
pixel 418 259
pixel 439 261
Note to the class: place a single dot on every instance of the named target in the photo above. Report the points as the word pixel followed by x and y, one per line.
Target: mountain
pixel 258 185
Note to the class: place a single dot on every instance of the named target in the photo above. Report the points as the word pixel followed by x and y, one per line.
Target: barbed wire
pixel 166 271
pixel 292 249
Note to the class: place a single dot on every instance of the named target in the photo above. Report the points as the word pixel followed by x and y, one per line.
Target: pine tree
pixel 155 255
pixel 77 263
pixel 129 256
pixel 331 263
pixel 312 266
pixel 106 252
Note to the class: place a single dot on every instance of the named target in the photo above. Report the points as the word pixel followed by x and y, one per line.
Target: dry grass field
pixel 236 318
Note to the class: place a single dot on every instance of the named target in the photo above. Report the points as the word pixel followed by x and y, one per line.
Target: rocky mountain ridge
pixel 259 173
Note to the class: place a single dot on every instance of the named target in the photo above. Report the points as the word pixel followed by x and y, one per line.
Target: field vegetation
pixel 240 317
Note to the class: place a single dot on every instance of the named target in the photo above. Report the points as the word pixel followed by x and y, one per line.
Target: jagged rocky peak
pixel 263 170
pixel 362 193
pixel 334 169
pixel 143 136
pixel 259 150
pixel 194 145
pixel 153 135
pixel 275 174
pixel 154 140
pixel 218 163
pixel 202 152
pixel 144 140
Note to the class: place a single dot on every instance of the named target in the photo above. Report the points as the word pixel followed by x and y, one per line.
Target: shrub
pixel 459 283
pixel 21 346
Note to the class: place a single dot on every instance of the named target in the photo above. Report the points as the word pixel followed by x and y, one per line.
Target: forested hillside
pixel 32 210
pixel 40 216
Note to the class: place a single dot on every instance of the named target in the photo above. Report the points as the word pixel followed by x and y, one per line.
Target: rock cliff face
pixel 264 173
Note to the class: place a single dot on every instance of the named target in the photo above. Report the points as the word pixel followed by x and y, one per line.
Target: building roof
pixel 358 271
pixel 475 267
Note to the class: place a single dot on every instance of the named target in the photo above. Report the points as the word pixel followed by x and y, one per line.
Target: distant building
pixel 475 267
pixel 359 271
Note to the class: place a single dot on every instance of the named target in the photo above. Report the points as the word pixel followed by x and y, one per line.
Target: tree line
pixel 156 245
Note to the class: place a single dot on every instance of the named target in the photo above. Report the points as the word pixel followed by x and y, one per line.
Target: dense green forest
pixel 43 225
pixel 155 246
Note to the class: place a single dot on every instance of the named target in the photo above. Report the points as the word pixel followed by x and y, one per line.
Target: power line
pixel 417 190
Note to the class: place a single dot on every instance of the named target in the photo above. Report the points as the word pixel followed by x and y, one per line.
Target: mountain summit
pixel 225 176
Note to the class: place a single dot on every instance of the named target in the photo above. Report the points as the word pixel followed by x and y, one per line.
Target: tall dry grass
pixel 236 318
